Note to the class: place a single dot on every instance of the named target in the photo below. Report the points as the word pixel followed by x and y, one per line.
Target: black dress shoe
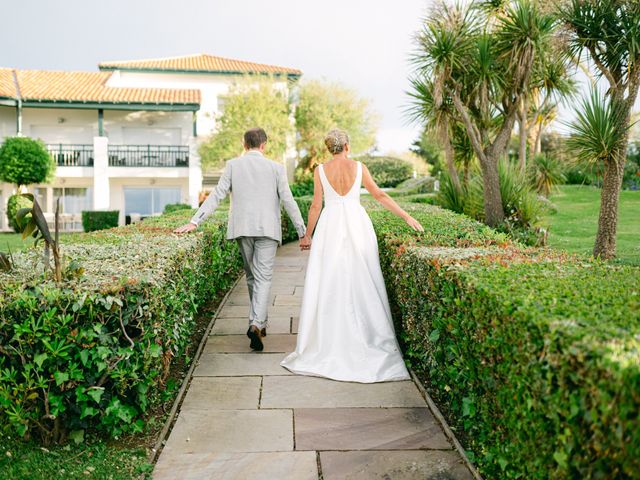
pixel 263 332
pixel 256 340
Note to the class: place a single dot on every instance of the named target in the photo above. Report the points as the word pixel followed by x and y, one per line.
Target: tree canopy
pixel 246 106
pixel 24 161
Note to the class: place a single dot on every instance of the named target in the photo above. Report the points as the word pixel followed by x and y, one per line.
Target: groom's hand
pixel 189 227
pixel 305 243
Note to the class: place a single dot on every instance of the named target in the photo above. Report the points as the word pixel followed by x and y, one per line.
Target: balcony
pixel 70 155
pixel 155 156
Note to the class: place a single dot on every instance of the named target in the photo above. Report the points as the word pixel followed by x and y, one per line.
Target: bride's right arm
pixel 316 204
pixel 386 201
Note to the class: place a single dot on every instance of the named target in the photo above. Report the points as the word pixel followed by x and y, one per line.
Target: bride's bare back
pixel 341 174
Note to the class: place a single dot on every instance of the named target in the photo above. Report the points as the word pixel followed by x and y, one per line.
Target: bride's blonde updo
pixel 335 141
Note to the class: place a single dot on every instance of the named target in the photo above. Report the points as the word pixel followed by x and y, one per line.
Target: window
pixel 73 200
pixel 40 193
pixel 147 201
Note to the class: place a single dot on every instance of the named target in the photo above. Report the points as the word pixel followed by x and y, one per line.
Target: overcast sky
pixel 364 44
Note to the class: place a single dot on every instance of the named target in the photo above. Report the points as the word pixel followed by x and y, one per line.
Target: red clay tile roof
pixel 199 63
pixel 7 85
pixel 89 87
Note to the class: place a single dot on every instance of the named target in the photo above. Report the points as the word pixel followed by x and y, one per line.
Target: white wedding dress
pixel 345 330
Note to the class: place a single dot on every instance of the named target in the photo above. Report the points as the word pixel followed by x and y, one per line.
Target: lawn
pixel 573 227
pixel 14 242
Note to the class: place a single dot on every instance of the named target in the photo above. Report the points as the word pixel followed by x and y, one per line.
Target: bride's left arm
pixel 316 206
pixel 386 201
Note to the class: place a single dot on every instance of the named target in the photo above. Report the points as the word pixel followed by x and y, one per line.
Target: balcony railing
pixel 69 155
pixel 148 156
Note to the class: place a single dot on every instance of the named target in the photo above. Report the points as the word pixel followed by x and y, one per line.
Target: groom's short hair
pixel 254 137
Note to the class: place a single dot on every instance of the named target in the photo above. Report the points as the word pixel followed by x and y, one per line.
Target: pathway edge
pixel 166 429
pixel 445 426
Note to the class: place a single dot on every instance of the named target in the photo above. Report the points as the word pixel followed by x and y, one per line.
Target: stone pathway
pixel 245 417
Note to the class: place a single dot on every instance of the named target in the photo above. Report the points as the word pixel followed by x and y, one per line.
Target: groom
pixel 257 187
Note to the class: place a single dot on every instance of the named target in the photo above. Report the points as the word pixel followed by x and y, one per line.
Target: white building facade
pixel 125 138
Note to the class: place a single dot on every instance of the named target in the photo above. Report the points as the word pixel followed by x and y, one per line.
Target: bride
pixel 345 331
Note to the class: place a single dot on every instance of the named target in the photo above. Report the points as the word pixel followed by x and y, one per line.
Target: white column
pixel 195 172
pixel 101 194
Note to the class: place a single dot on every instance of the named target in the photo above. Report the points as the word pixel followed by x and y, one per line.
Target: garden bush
pixel 388 171
pixel 532 355
pixel 90 352
pixel 14 204
pixel 414 186
pixel 174 207
pixel 99 220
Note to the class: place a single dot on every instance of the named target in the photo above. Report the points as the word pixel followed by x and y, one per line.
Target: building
pixel 125 137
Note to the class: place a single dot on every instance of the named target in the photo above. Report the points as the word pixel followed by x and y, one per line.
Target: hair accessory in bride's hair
pixel 335 141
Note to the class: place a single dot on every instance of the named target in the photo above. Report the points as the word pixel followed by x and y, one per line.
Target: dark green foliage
pixel 14 204
pixel 388 171
pixel 174 207
pixel 289 233
pixel 99 220
pixel 24 161
pixel 303 185
pixel 532 354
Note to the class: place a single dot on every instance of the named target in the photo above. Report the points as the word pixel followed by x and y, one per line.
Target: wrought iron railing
pixel 71 155
pixel 148 156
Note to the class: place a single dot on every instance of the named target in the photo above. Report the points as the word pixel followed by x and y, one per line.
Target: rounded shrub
pixel 388 171
pixel 174 207
pixel 99 220
pixel 24 161
pixel 14 204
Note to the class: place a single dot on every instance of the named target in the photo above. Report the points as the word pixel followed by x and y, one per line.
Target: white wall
pixel 147 127
pixel 60 125
pixel 7 121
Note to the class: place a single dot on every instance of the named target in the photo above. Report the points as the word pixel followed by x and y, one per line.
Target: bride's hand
pixel 305 243
pixel 413 223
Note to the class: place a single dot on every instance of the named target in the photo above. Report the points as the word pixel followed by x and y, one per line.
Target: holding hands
pixel 305 243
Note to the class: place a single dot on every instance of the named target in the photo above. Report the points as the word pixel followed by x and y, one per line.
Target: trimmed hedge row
pixel 94 220
pixel 88 353
pixel 533 356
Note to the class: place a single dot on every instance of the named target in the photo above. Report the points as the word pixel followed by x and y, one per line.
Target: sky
pixel 363 44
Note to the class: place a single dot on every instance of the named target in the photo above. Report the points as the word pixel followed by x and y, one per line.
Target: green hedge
pixel 91 352
pixel 174 207
pixel 388 171
pixel 533 356
pixel 99 220
pixel 14 204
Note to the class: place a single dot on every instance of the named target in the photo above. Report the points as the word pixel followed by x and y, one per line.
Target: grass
pixel 14 242
pixel 573 227
pixel 20 460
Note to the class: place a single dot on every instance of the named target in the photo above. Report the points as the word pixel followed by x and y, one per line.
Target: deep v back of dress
pixel 345 330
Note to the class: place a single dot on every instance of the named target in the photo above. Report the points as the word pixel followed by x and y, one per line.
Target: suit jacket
pixel 257 187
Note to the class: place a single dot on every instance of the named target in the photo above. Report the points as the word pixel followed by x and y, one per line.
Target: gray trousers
pixel 258 256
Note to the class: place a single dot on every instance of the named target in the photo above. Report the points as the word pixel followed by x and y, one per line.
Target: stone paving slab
pixel 393 465
pixel 240 466
pixel 242 311
pixel 240 364
pixel 239 326
pixel 297 391
pixel 287 300
pixel 367 429
pixel 240 343
pixel 223 393
pixel 206 431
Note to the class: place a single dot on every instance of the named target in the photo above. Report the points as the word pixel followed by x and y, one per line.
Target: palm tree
pixel 484 67
pixel 438 119
pixel 608 33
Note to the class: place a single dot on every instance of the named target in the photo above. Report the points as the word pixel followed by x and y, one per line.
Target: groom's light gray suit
pixel 257 187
